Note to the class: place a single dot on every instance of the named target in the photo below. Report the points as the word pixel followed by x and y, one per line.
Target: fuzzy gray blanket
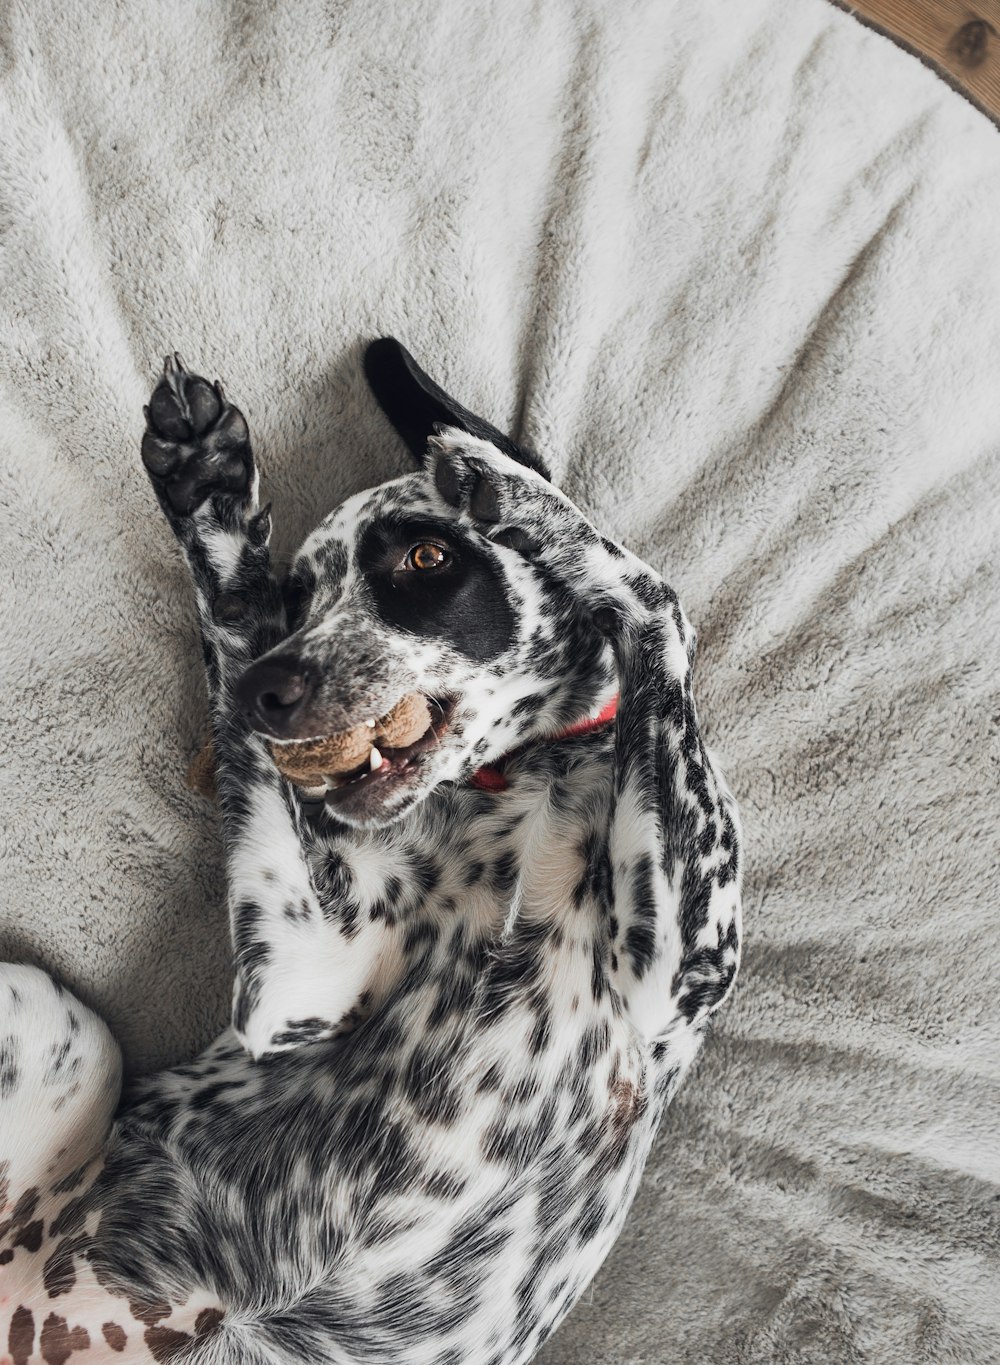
pixel 732 268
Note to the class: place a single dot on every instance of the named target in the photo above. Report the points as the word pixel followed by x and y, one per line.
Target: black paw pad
pixel 183 405
pixel 456 481
pixel 485 501
pixel 196 443
pixel 448 480
pixel 516 539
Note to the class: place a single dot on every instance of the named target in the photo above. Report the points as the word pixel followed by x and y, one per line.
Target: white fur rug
pixel 733 268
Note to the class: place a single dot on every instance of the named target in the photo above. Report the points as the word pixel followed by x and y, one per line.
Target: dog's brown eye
pixel 427 555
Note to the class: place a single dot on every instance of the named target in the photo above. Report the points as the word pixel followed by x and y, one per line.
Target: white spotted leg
pixel 299 963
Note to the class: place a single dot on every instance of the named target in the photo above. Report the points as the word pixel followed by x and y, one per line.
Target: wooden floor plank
pixel 960 40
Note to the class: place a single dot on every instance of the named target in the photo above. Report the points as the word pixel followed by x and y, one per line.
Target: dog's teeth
pixel 370 724
pixel 374 759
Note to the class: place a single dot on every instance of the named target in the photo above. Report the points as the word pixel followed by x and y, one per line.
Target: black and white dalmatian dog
pixel 468 978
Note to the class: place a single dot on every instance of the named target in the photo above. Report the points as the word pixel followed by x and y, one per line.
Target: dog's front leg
pixel 299 969
pixel 673 896
pixel 665 869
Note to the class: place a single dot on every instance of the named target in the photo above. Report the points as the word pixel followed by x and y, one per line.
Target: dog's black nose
pixel 273 693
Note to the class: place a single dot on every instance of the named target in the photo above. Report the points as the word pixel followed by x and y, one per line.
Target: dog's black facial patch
pixel 465 603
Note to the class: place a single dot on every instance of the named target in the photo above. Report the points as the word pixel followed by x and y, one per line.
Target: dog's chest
pixel 526 1100
pixel 496 923
pixel 487 854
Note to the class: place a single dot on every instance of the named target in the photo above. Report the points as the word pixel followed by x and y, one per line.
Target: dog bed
pixel 732 269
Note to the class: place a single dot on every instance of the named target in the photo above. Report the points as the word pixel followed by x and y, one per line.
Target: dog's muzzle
pixel 274 695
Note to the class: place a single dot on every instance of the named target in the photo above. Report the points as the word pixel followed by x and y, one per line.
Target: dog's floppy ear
pixel 416 406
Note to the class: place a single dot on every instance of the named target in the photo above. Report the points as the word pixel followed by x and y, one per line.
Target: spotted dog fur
pixel 458 1013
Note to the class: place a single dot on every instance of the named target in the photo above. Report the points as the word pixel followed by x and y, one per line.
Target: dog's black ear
pixel 416 406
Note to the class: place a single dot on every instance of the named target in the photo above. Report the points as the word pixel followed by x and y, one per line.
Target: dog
pixel 469 974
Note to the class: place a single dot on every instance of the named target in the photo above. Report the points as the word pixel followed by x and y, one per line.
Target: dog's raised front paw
pixel 518 509
pixel 196 443
pixel 510 504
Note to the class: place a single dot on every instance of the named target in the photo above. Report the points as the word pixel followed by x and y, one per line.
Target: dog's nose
pixel 273 693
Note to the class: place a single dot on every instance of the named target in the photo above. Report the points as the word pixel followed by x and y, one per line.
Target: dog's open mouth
pixel 385 762
pixel 371 753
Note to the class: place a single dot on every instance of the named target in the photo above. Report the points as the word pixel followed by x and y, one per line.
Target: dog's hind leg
pixel 299 971
pixel 60 1075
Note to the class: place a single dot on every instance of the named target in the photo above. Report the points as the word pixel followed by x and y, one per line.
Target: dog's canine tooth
pixel 374 759
pixel 370 723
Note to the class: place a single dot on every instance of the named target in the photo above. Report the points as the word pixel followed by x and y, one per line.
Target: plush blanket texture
pixel 733 268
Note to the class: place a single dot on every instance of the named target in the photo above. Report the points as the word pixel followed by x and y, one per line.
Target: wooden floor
pixel 960 40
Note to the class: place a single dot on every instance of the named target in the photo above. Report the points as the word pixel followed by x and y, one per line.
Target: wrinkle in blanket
pixel 732 270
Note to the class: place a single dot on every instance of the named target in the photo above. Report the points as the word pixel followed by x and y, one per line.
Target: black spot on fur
pixel 30 1236
pixel 25 1207
pixel 9 1072
pixel 428 1085
pixel 302 1031
pixel 59 1273
pixel 21 1338
pixel 640 937
pixel 70 1218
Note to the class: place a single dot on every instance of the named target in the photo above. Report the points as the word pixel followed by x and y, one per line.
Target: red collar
pixel 492 779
